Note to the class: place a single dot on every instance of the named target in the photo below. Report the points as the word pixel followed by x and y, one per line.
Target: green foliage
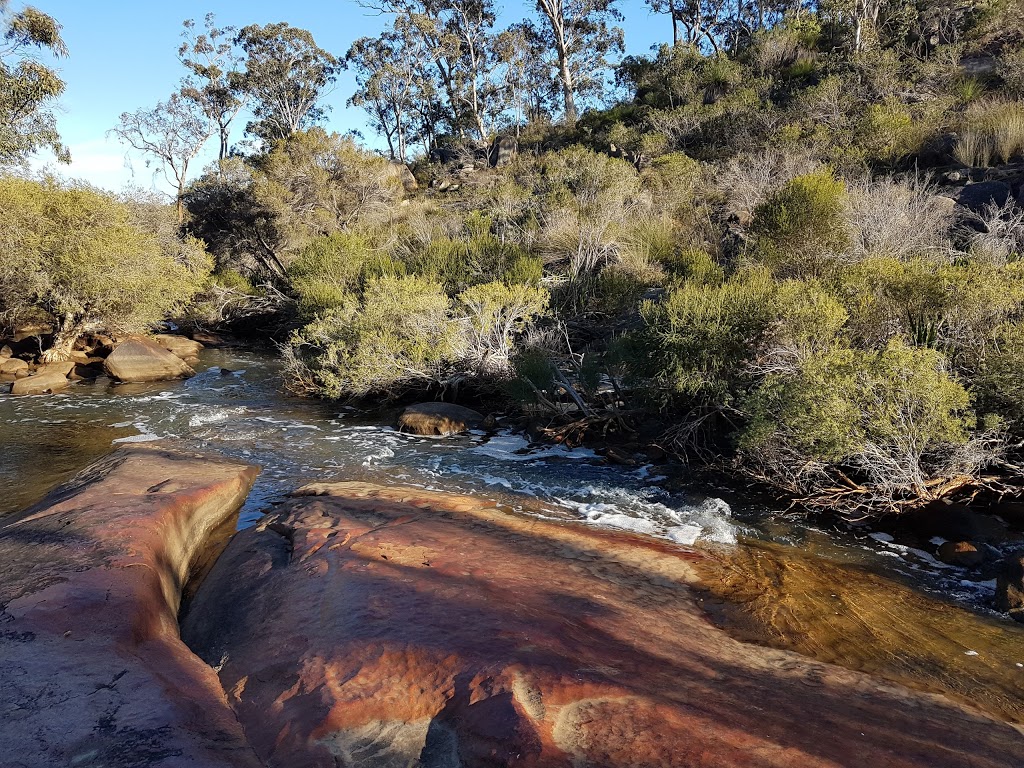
pixel 233 280
pixel 28 88
pixel 952 307
pixel 999 384
pixel 801 228
pixel 497 314
pixel 328 271
pixel 704 333
pixel 397 333
pixel 85 260
pixel 286 76
pixel 992 130
pixel 695 265
pixel 846 407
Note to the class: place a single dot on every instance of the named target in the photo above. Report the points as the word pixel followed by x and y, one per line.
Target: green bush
pixel 78 258
pixel 801 228
pixel 327 271
pixel 952 307
pixel 705 334
pixel 999 383
pixel 894 417
pixel 498 313
pixel 399 332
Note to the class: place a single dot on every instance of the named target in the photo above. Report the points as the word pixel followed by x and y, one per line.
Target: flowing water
pixel 862 601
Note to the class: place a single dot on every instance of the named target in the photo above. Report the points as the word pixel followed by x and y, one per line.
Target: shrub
pixel 704 335
pixel 400 331
pixel 888 132
pixel 895 417
pixel 327 272
pixel 952 307
pixel 992 129
pixel 996 233
pixel 695 265
pixel 801 229
pixel 78 258
pixel 999 383
pixel 898 219
pixel 497 314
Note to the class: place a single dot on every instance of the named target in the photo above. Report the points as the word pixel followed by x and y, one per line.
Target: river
pixel 780 580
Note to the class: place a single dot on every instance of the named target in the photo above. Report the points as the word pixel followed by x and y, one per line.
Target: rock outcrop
pixel 367 626
pixel 93 671
pixel 438 419
pixel 180 346
pixel 40 383
pixel 141 359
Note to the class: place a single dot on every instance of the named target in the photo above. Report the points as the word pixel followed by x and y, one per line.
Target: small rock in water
pixel 438 419
pixel 965 554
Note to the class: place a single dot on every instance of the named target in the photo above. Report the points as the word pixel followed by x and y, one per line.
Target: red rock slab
pixel 92 669
pixel 369 626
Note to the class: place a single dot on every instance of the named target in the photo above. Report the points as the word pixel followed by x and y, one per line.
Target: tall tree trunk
pixel 567 94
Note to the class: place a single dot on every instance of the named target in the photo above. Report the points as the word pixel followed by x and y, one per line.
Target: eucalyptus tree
pixel 526 82
pixel 172 135
pixel 457 39
pixel 28 87
pixel 215 79
pixel 582 35
pixel 391 87
pixel 286 75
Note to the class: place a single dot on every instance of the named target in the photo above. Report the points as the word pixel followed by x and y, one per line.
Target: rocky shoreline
pixel 369 626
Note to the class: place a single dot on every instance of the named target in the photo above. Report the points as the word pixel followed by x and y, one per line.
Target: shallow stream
pixel 779 580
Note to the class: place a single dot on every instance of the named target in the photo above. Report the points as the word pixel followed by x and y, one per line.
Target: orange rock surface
pixel 92 669
pixel 369 626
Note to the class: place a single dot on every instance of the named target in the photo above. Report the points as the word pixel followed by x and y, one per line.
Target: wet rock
pixel 965 554
pixel 655 452
pixel 94 672
pixel 952 522
pixel 13 365
pixel 88 371
pixel 40 383
pixel 141 359
pixel 179 346
pixel 368 626
pixel 1010 587
pixel 438 419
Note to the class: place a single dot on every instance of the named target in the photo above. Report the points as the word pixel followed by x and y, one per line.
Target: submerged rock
pixel 141 359
pixel 368 626
pixel 438 419
pixel 965 554
pixel 94 672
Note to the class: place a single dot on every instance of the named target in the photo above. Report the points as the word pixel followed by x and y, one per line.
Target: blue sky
pixel 123 56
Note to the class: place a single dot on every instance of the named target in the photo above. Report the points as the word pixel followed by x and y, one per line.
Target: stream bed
pixel 827 593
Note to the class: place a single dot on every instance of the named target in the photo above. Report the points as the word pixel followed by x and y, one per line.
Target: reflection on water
pixel 846 615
